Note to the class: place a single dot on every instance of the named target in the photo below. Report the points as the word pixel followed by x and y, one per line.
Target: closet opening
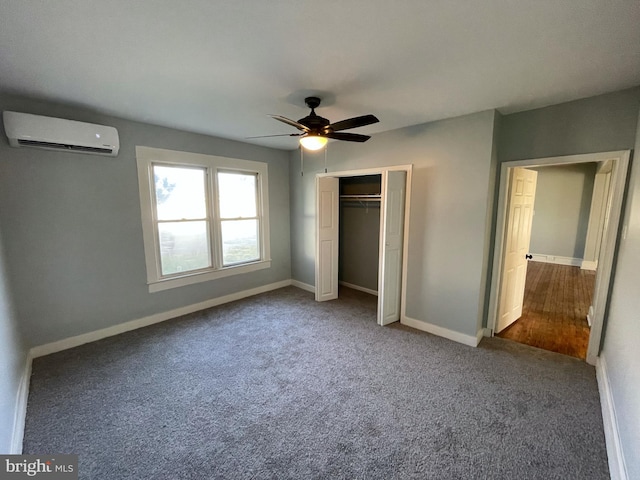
pixel 359 237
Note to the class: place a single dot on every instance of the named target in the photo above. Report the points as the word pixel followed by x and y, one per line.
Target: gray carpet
pixel 278 386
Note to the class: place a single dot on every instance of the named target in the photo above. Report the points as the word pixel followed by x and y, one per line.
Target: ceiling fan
pixel 316 130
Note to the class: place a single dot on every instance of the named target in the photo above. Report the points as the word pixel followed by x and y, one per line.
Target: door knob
pixel 528 256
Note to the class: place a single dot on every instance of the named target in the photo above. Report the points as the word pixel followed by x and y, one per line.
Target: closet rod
pixel 361 197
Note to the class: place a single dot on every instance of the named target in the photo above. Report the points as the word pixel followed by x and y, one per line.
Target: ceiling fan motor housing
pixel 314 122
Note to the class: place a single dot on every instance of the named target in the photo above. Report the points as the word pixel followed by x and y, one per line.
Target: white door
pixel 391 240
pixel 327 192
pixel 522 192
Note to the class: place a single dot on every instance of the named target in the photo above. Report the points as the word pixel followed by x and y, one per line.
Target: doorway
pixel 393 198
pixel 619 162
pixel 560 271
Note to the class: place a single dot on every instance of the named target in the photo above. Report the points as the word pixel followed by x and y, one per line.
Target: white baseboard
pixel 617 467
pixel 303 286
pixel 470 340
pixel 20 415
pixel 574 262
pixel 589 265
pixel 358 287
pixel 312 289
pixel 71 342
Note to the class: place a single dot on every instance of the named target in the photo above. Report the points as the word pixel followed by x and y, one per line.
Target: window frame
pixel 146 158
pixel 221 219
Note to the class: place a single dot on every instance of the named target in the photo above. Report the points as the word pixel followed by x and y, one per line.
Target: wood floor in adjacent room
pixel 554 314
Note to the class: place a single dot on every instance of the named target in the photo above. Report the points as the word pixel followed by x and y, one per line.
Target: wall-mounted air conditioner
pixel 26 130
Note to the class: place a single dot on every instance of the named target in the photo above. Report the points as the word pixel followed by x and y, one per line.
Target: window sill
pixel 190 279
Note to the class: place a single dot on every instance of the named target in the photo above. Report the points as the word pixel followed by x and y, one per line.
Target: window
pixel 203 217
pixel 237 199
pixel 182 221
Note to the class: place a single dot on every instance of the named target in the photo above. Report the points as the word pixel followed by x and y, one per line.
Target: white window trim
pixel 146 157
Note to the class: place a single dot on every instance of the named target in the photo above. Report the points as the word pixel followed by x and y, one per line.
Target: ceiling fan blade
pixel 354 122
pixel 280 135
pixel 349 137
pixel 288 121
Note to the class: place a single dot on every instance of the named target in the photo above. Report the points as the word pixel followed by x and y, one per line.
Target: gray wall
pixel 450 201
pixel 598 124
pixel 359 244
pixel 13 356
pixel 72 229
pixel 562 207
pixel 622 337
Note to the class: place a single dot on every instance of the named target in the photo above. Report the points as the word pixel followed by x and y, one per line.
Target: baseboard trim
pixel 303 286
pixel 480 335
pixel 574 262
pixel 470 340
pixel 617 467
pixel 71 342
pixel 589 265
pixel 358 287
pixel 20 415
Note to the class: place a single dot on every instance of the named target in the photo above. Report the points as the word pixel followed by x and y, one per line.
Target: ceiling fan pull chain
pixel 325 158
pixel 301 161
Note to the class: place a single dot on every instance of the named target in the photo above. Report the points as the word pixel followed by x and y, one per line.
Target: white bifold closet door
pixel 327 246
pixel 391 242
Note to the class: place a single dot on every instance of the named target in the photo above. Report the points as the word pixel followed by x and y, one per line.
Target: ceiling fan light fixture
pixel 313 142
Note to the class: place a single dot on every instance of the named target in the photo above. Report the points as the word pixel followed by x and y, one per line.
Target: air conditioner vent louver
pixel 49 133
pixel 64 146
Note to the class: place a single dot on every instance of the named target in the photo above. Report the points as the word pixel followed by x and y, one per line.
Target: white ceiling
pixel 220 67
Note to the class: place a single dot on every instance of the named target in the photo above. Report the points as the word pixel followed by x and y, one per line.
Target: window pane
pixel 237 194
pixel 180 193
pixel 239 241
pixel 184 246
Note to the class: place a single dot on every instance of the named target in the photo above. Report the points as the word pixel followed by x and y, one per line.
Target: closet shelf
pixel 361 197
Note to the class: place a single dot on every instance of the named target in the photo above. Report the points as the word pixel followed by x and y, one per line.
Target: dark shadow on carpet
pixel 279 386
